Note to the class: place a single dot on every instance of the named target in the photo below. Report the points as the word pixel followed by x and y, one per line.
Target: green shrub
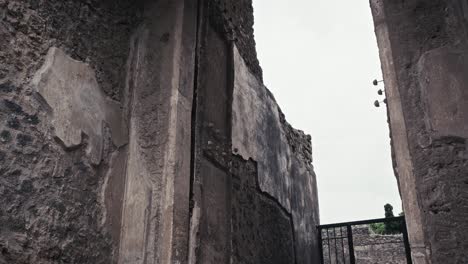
pixel 389 228
pixel 378 228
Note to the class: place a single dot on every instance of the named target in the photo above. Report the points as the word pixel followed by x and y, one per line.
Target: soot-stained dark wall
pixel 235 20
pixel 423 47
pixel 258 222
pixel 240 213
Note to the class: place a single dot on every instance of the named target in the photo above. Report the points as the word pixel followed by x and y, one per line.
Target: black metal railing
pixel 339 242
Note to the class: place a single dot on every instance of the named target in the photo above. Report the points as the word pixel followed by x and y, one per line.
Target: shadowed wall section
pixel 423 48
pixel 252 171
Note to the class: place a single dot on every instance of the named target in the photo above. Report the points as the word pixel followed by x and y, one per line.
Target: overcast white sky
pixel 319 58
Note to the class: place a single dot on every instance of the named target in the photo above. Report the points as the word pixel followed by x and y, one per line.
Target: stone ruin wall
pixel 51 202
pixel 423 49
pixel 369 248
pixel 125 134
pixel 141 132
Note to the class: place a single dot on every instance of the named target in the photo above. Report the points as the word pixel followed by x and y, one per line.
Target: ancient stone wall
pixel 369 248
pixel 255 168
pixel 141 132
pixel 52 175
pixel 423 48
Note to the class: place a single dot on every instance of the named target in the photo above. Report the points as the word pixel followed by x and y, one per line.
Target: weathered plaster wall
pixel 283 173
pixel 99 135
pixel 159 90
pixel 423 47
pixel 252 170
pixel 120 127
pixel 51 194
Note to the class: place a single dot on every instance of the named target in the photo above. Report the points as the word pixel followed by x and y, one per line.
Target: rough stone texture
pixel 116 136
pixel 97 31
pixel 52 208
pixel 369 248
pixel 257 224
pixel 71 206
pixel 251 168
pixel 283 174
pixel 372 248
pixel 422 47
pixel 234 19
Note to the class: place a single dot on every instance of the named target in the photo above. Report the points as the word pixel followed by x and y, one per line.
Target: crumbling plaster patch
pixel 79 106
pixel 257 132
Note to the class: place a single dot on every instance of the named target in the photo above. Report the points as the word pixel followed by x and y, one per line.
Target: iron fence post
pixel 349 235
pixel 342 245
pixel 406 241
pixel 320 239
pixel 352 259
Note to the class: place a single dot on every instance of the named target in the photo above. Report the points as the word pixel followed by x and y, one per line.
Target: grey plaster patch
pixel 443 75
pixel 305 211
pixel 257 132
pixel 79 106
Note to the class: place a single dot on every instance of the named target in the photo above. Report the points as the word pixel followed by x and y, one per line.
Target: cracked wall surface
pixel 52 199
pixel 120 130
pixel 252 170
pixel 423 52
pixel 260 133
